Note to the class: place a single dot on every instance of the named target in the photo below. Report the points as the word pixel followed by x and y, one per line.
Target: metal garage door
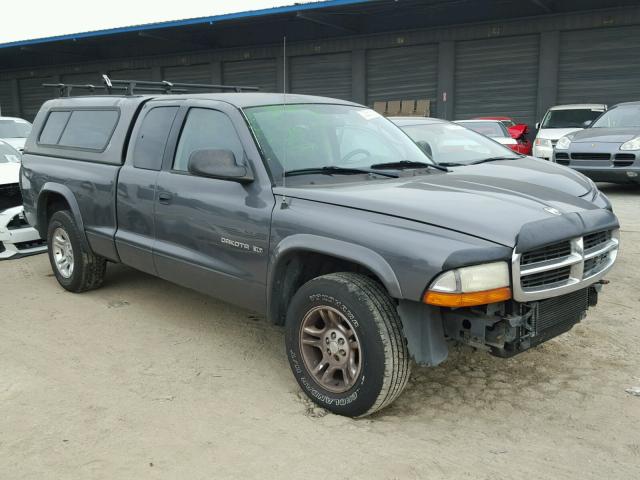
pixel 131 74
pixel 90 78
pixel 326 75
pixel 33 95
pixel 188 73
pixel 6 99
pixel 401 73
pixel 93 78
pixel 599 66
pixel 251 73
pixel 498 76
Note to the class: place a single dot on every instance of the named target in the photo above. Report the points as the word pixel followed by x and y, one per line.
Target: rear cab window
pixel 85 129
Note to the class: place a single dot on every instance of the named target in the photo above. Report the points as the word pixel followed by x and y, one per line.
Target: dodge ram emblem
pixel 553 211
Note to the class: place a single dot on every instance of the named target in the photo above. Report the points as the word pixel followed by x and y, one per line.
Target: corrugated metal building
pixel 468 57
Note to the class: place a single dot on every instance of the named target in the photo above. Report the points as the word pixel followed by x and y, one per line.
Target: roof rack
pixel 130 87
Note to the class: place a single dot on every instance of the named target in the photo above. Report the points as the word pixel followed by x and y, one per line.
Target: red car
pixel 518 131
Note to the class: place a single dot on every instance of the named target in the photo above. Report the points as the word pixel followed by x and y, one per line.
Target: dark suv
pixel 325 217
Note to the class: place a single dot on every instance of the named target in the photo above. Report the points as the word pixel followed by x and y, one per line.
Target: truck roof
pixel 240 100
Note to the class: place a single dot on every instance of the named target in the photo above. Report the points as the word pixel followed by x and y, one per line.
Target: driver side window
pixel 206 129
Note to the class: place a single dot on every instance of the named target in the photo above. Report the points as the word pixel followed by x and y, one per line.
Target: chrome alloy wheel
pixel 62 252
pixel 330 349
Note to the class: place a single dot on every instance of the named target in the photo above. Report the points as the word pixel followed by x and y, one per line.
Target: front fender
pixel 339 249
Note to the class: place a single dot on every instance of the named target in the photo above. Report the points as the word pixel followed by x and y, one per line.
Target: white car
pixel 494 129
pixel 17 237
pixel 562 120
pixel 14 131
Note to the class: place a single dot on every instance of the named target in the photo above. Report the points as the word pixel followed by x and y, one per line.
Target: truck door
pixel 212 235
pixel 137 185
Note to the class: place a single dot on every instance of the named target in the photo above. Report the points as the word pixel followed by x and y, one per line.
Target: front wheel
pixel 345 344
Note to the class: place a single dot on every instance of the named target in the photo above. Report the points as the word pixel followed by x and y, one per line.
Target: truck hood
pixel 606 135
pixel 491 201
pixel 555 133
pixel 9 173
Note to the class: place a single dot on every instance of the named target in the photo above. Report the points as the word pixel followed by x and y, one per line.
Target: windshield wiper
pixel 333 170
pixel 452 164
pixel 495 159
pixel 405 164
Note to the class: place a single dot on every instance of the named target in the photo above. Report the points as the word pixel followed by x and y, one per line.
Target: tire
pixel 87 269
pixel 358 381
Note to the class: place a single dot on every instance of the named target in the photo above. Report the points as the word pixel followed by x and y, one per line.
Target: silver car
pixel 607 151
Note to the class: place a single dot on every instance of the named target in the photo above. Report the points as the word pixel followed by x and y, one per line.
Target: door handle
pixel 165 198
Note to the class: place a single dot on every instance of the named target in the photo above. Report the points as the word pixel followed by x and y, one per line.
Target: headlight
pixel 543 142
pixel 469 286
pixel 563 143
pixel 633 144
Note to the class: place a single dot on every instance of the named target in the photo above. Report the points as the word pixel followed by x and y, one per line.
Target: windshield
pixel 302 136
pixel 569 118
pixel 623 116
pixel 490 129
pixel 10 128
pixel 451 144
pixel 8 154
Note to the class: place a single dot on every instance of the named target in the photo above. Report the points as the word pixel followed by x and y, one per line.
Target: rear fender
pixel 66 193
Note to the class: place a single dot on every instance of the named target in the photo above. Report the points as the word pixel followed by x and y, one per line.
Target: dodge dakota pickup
pixel 326 218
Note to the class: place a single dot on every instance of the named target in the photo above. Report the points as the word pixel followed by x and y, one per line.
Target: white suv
pixel 562 120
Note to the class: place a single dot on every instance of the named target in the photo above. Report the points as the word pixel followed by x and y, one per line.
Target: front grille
pixel 557 315
pixel 10 196
pixel 562 155
pixel 624 159
pixel 594 264
pixel 595 239
pixel 547 278
pixel 591 156
pixel 563 267
pixel 557 250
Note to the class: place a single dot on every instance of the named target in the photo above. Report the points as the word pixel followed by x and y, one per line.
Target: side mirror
pixel 220 164
pixel 537 125
pixel 587 123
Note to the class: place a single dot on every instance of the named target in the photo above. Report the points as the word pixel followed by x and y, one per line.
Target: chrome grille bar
pixel 576 279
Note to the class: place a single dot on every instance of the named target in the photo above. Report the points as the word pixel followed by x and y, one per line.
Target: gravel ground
pixel 143 379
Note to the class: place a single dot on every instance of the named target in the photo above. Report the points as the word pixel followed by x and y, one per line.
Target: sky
pixel 28 19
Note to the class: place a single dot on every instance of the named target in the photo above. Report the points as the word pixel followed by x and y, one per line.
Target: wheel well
pixel 299 267
pixel 50 203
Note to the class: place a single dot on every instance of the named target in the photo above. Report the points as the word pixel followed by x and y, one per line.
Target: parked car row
pixel 601 143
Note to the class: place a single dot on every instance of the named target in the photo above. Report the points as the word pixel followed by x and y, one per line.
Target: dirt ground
pixel 142 379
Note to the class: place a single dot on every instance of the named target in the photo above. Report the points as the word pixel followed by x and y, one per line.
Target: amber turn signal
pixel 457 300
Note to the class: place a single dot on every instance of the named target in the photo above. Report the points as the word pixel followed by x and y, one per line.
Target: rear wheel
pixel 345 344
pixel 76 268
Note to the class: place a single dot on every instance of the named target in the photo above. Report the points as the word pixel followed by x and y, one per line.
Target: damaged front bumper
pixel 17 237
pixel 516 327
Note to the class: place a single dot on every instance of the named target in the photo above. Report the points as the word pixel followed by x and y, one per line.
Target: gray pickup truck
pixel 326 218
